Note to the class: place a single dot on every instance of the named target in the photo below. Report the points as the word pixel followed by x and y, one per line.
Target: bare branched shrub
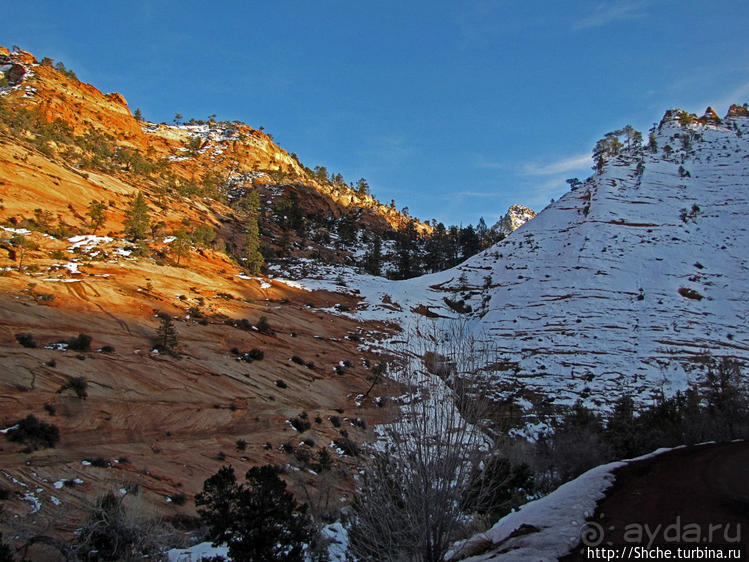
pixel 115 531
pixel 417 493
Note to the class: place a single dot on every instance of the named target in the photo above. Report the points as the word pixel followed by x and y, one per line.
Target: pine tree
pixel 362 187
pixel 482 231
pixel 405 248
pixel 373 259
pixel 138 115
pixel 21 243
pixel 166 334
pixel 436 249
pixel 137 222
pixel 469 242
pixel 250 248
pixel 180 245
pixel 259 520
pixel 96 215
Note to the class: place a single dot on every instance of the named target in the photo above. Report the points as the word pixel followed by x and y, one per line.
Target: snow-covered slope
pixel 620 285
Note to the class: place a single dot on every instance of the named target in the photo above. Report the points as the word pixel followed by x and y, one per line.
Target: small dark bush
pixel 690 293
pixel 300 425
pixel 107 349
pixel 263 326
pixel 336 421
pixel 123 460
pixel 458 306
pixel 347 446
pixel 287 448
pixel 50 409
pixel 26 340
pixel 298 360
pixel 51 363
pixel 178 499
pixel 235 351
pixel 37 434
pixel 339 370
pixel 256 354
pixel 303 455
pixel 358 422
pixel 78 385
pixel 267 446
pixel 310 365
pixel 221 456
pixel 80 343
pixel 281 384
pixel 324 462
pixel 318 419
pixel 100 462
pixel 241 444
pixel 4 493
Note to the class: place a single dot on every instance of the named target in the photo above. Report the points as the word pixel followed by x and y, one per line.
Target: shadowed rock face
pixel 12 72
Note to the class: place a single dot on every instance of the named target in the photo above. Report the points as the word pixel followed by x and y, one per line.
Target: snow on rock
pixel 339 544
pixel 88 241
pixel 36 505
pixel 197 552
pixel 547 528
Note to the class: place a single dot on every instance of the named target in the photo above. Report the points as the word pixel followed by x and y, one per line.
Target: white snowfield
pixel 548 528
pixel 616 287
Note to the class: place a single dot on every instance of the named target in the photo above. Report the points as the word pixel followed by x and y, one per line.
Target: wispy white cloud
pixel 568 164
pixel 605 13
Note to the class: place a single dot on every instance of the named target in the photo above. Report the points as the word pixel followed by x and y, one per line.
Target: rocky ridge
pixel 623 285
pixel 516 216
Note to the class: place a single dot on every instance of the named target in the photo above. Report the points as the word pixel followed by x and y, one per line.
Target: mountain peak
pixel 516 216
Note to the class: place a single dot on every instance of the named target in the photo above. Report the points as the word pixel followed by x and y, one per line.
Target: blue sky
pixel 454 109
